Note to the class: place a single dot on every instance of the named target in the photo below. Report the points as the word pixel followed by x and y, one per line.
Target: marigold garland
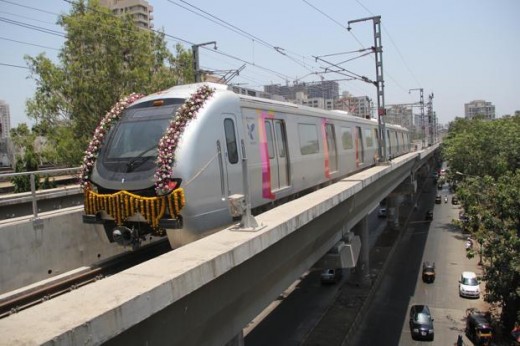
pixel 168 143
pixel 99 135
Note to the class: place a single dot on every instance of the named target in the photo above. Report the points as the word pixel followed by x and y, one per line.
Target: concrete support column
pixel 238 340
pixel 362 275
pixel 393 202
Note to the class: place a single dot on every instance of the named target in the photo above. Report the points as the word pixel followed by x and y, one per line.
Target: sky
pixel 457 51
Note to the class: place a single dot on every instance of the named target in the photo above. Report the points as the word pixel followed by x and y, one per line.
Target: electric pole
pixel 423 121
pixel 379 83
pixel 430 119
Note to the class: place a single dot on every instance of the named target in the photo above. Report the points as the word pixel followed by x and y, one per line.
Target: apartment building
pixel 140 10
pixel 479 107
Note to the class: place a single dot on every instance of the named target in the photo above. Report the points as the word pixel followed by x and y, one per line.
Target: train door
pixel 231 169
pixel 331 149
pixel 276 139
pixel 359 147
pixel 389 145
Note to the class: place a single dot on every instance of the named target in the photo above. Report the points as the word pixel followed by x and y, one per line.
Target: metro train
pixel 169 161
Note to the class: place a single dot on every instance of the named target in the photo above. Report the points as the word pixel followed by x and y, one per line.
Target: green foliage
pixel 477 147
pixel 27 163
pixel 103 59
pixel 486 155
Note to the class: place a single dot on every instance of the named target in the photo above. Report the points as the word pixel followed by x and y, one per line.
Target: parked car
pixel 438 199
pixel 454 200
pixel 429 215
pixel 331 276
pixel 381 212
pixel 428 272
pixel 421 322
pixel 469 285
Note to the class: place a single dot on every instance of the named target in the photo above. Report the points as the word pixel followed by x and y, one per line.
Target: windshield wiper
pixel 130 165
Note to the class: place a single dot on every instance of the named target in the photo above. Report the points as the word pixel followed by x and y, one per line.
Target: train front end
pixel 131 194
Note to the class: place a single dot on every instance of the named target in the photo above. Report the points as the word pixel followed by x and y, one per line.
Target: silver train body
pixel 290 149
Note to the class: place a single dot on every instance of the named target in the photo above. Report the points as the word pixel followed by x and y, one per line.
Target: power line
pixel 32 27
pixel 237 30
pixel 29 7
pixel 27 43
pixel 11 65
pixel 395 46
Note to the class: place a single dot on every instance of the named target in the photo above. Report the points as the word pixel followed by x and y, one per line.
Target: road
pixel 386 321
pixel 289 320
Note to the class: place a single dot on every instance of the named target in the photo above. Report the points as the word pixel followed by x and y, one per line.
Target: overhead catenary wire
pixel 239 31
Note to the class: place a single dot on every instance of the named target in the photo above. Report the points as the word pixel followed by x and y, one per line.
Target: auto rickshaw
pixel 478 328
pixel 428 272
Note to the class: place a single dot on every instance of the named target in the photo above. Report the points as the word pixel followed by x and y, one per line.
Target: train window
pixel 269 137
pixel 369 139
pixel 280 136
pixel 308 139
pixel 331 144
pixel 123 143
pixel 376 138
pixel 346 138
pixel 231 140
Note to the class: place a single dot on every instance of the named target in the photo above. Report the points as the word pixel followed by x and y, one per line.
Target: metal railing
pixel 32 175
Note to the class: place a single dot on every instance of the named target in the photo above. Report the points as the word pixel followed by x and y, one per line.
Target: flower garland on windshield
pixel 101 130
pixel 168 143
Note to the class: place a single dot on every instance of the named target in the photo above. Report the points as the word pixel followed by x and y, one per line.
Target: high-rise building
pixel 399 115
pixel 140 10
pixel 325 90
pixel 5 120
pixel 479 107
pixel 359 106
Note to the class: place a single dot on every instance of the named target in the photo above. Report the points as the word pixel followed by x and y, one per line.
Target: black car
pixel 454 200
pixel 331 276
pixel 421 322
pixel 438 199
pixel 428 272
pixel 429 215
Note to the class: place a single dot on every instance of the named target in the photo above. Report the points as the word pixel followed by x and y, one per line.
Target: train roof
pixel 184 91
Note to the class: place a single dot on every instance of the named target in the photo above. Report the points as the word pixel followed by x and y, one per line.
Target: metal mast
pixel 430 119
pixel 379 83
pixel 423 122
pixel 196 67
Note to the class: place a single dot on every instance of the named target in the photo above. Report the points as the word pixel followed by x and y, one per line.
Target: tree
pixel 104 58
pixel 24 138
pixel 485 157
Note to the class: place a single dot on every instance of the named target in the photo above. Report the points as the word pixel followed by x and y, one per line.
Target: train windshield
pixel 137 135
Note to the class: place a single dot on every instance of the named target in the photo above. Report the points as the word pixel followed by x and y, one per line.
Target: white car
pixel 469 285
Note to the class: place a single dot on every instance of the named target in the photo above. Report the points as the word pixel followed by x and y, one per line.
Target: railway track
pixel 25 298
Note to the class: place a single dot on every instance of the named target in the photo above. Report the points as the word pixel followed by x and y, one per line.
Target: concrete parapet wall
pixel 57 242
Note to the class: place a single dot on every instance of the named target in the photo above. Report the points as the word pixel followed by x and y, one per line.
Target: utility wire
pixel 27 43
pixel 29 7
pixel 237 30
pixel 10 65
pixel 395 46
pixel 32 27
